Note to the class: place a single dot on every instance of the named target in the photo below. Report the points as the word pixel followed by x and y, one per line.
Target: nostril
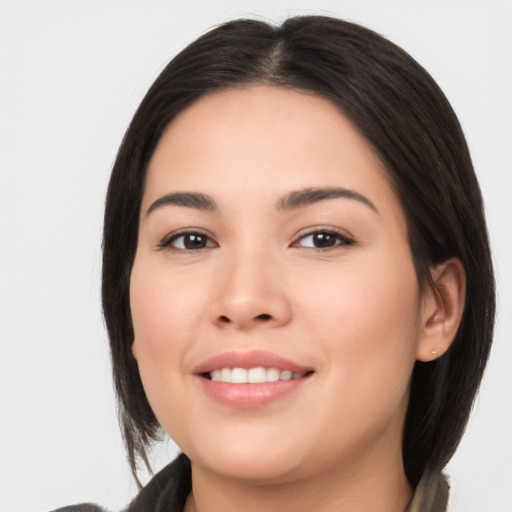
pixel 264 317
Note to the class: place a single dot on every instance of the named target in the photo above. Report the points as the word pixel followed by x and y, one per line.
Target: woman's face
pixel 270 241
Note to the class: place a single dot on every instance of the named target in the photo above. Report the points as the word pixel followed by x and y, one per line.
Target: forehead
pixel 264 141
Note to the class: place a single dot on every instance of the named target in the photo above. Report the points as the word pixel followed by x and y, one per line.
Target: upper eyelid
pixel 301 234
pixel 323 229
pixel 166 240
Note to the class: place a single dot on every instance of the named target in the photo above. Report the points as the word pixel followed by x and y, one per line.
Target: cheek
pixel 165 317
pixel 367 327
pixel 357 300
pixel 163 312
pixel 367 321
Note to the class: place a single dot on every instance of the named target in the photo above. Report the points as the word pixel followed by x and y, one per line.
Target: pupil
pixel 323 240
pixel 195 241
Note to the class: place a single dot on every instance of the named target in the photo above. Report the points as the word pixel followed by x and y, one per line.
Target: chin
pixel 247 460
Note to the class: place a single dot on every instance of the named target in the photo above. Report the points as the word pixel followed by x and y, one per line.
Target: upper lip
pixel 247 360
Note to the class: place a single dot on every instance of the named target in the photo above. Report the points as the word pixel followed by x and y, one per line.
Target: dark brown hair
pixel 401 111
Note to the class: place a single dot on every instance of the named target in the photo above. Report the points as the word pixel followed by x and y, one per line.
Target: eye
pixel 188 241
pixel 323 239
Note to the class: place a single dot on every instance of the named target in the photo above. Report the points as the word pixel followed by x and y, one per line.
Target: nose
pixel 250 295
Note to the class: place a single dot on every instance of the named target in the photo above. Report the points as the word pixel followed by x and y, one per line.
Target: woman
pixel 297 281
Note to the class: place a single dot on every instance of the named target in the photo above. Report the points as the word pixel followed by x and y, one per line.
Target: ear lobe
pixel 443 305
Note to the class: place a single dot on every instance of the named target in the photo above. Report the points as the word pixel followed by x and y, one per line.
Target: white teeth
pixel 253 375
pixel 225 375
pixel 256 375
pixel 286 375
pixel 272 375
pixel 238 375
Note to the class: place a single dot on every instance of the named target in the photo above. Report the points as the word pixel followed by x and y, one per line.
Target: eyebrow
pixel 292 201
pixel 189 199
pixel 308 196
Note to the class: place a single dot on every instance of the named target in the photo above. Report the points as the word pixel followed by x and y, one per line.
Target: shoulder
pixel 431 494
pixel 166 491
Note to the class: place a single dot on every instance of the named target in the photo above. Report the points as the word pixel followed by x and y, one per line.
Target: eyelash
pixel 167 242
pixel 340 240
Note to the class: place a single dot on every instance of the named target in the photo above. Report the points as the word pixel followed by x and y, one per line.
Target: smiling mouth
pixel 250 380
pixel 258 375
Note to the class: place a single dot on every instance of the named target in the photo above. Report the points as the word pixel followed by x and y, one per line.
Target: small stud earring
pixel 434 353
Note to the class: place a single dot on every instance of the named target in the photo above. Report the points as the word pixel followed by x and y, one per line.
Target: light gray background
pixel 71 75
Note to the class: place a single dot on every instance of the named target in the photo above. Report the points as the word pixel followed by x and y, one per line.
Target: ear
pixel 442 308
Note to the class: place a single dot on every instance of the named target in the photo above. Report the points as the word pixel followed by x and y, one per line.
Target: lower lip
pixel 250 396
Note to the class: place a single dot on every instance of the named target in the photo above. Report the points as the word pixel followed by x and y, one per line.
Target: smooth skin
pixel 329 284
